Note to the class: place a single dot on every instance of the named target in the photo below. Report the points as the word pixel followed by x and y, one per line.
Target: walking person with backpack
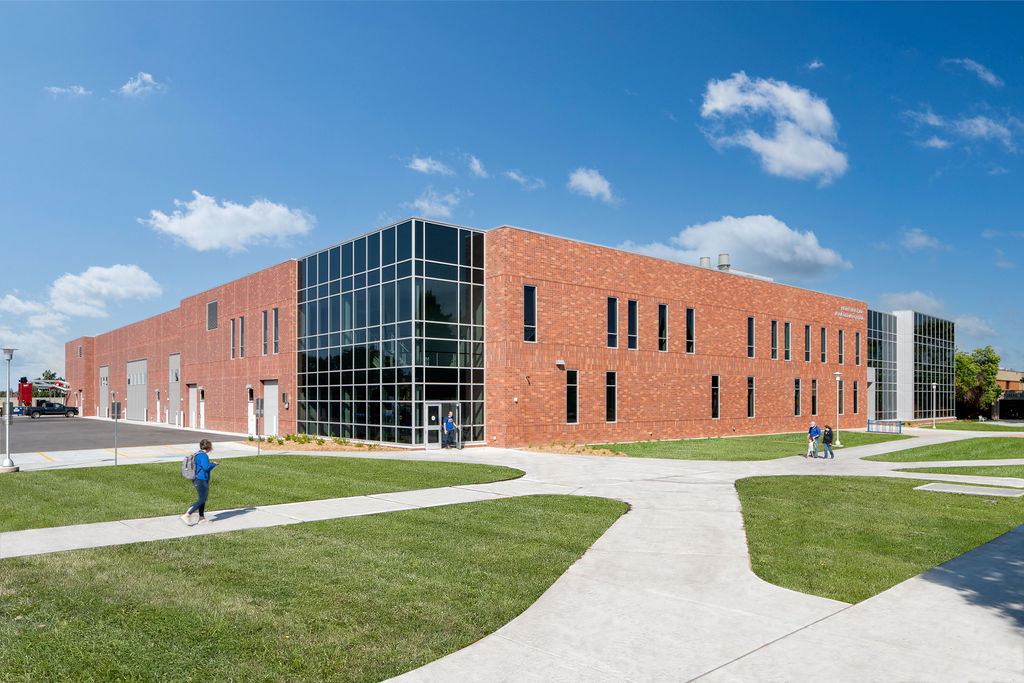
pixel 197 467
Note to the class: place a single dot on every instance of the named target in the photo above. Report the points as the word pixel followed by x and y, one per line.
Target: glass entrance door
pixel 432 425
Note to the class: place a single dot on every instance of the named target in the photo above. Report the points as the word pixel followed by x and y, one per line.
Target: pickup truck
pixel 49 408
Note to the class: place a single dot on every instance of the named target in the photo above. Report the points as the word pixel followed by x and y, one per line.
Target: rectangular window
pixel 241 336
pixel 613 323
pixel 807 343
pixel 691 330
pixel 234 340
pixel 856 347
pixel 211 315
pixel 609 397
pixel 662 327
pixel 750 337
pixel 265 339
pixel 276 347
pixel 631 323
pixel 750 397
pixel 775 340
pixel 840 397
pixel 856 397
pixel 814 397
pixel 80 355
pixel 529 313
pixel 788 341
pixel 823 345
pixel 714 397
pixel 571 396
pixel 796 397
pixel 842 340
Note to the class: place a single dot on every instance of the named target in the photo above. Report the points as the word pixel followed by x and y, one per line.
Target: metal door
pixel 137 396
pixel 270 407
pixel 193 402
pixel 432 425
pixel 104 406
pixel 174 389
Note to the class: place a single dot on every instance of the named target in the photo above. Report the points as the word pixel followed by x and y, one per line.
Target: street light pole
pixel 8 464
pixel 839 377
pixel 934 407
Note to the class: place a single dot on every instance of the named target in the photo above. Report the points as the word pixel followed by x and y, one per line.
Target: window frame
pixel 751 396
pixel 807 343
pixel 824 345
pixel 842 343
pixel 611 389
pixel 716 397
pixel 787 341
pixel 613 322
pixel 691 330
pixel 529 297
pixel 265 345
pixel 814 398
pixel 775 340
pixel 276 330
pixel 215 315
pixel 574 385
pixel 662 327
pixel 234 340
pixel 751 338
pixel 797 398
pixel 632 324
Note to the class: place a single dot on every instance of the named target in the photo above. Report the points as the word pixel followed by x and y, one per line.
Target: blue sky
pixel 150 151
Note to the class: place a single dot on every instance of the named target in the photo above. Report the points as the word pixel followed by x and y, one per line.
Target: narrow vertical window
pixel 276 347
pixel 530 313
pixel 841 412
pixel 609 397
pixel 662 327
pixel 856 347
pixel 750 397
pixel 750 337
pixel 775 340
pixel 241 336
pixel 823 345
pixel 265 338
pixel 814 397
pixel 234 340
pixel 856 397
pixel 211 315
pixel 714 397
pixel 788 341
pixel 796 397
pixel 631 323
pixel 613 323
pixel 571 396
pixel 691 330
pixel 842 343
pixel 807 343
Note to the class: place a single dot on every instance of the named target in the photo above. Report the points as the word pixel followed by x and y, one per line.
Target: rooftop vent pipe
pixel 705 261
pixel 723 262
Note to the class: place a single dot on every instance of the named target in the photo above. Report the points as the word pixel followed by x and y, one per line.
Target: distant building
pixel 1010 404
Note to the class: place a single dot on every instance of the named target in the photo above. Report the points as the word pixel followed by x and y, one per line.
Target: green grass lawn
pixel 767 447
pixel 95 494
pixel 361 598
pixel 848 538
pixel 975 426
pixel 991 471
pixel 995 448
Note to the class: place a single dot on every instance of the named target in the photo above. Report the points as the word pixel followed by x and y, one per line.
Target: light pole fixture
pixel 839 378
pixel 8 464
pixel 934 406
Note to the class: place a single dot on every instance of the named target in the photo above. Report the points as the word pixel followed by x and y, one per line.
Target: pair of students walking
pixel 826 437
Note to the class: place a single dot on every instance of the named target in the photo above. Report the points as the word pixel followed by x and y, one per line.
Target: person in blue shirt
pixel 202 483
pixel 449 431
pixel 812 440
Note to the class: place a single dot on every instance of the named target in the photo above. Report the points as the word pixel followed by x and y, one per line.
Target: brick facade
pixel 205 354
pixel 661 395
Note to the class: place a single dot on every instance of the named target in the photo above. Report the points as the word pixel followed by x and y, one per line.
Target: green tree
pixel 976 386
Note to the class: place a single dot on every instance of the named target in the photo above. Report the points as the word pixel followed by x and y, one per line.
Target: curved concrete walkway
pixel 667 593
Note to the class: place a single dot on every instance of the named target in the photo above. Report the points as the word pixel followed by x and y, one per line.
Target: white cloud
pixel 935 142
pixel 994 234
pixel 88 293
pixel 71 90
pixel 1001 260
pixel 998 170
pixel 432 204
pixel 142 84
pixel 36 351
pixel 916 239
pixel 984 128
pixel 923 302
pixel 815 64
pixel 973 128
pixel 428 165
pixel 477 168
pixel 203 224
pixel 979 70
pixel 759 244
pixel 527 183
pixel 973 326
pixel 590 183
pixel 15 306
pixel 801 142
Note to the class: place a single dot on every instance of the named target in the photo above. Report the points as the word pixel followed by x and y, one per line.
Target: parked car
pixel 49 408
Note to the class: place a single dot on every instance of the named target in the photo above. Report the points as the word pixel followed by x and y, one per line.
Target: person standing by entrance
pixel 449 431
pixel 826 439
pixel 812 440
pixel 202 482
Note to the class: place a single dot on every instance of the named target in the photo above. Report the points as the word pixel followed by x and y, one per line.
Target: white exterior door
pixel 270 394
pixel 193 402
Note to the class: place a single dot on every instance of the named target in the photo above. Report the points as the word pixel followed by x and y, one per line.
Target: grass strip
pixel 849 538
pixel 975 426
pixel 355 599
pixel 995 448
pixel 984 471
pixel 767 447
pixel 97 494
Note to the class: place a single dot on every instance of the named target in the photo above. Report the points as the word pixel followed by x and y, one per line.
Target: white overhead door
pixel 137 383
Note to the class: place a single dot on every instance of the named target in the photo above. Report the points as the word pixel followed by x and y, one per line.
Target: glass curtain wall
pixel 933 362
pixel 882 357
pixel 388 323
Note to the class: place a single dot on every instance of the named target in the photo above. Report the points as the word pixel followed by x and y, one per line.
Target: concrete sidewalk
pixel 667 592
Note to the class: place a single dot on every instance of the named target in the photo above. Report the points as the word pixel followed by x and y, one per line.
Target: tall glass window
pixel 276 338
pixel 265 339
pixel 788 341
pixel 714 396
pixel 241 336
pixel 234 340
pixel 856 397
pixel 529 313
pixel 775 340
pixel 572 396
pixel 934 361
pixel 662 327
pixel 840 397
pixel 750 337
pixel 613 323
pixel 631 324
pixel 750 397
pixel 814 397
pixel 807 343
pixel 856 347
pixel 610 398
pixel 691 331
pixel 842 344
pixel 796 397
pixel 882 358
pixel 823 345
